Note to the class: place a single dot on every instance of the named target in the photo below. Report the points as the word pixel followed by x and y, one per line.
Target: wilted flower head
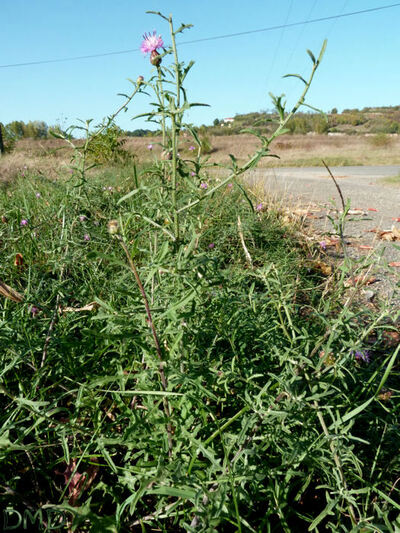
pixel 112 226
pixel 140 80
pixel 82 218
pixel 151 42
pixel 24 222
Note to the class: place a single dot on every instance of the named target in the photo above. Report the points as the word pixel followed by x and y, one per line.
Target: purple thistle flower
pixel 363 356
pixel 86 237
pixel 151 42
pixel 211 245
pixel 203 185
pixel 259 206
pixel 193 174
pixel 230 185
pixel 323 245
pixel 192 148
pixel 34 310
pixel 150 147
pixel 24 222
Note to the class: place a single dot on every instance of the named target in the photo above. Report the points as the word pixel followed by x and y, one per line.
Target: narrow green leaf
pixel 295 76
pixel 322 52
pixel 312 56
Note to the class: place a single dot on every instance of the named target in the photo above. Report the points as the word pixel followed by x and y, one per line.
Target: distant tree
pixel 1 140
pixel 334 111
pixel 17 128
pixel 216 122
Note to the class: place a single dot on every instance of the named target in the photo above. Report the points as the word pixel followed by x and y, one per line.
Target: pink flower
pixel 151 42
pixel 192 148
pixel 24 222
pixel 38 195
pixel 86 237
pixel 323 245
pixel 193 174
pixel 211 245
pixel 203 185
pixel 34 310
pixel 230 185
pixel 82 218
pixel 259 206
pixel 150 147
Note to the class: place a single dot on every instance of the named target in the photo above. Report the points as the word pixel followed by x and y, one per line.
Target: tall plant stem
pixel 155 337
pixel 175 129
pixel 173 184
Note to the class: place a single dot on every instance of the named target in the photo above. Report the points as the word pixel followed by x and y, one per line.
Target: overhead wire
pixel 204 39
pixel 278 44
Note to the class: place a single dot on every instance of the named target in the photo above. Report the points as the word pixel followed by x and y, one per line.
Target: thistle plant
pixel 168 113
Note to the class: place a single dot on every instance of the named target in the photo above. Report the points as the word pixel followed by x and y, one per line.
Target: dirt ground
pixel 372 228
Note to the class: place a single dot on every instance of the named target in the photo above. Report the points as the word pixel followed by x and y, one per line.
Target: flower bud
pixel 140 80
pixel 113 227
pixel 155 58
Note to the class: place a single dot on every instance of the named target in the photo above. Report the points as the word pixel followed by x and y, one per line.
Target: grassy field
pixel 51 157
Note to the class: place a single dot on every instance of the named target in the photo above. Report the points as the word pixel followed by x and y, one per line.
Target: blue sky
pixel 232 75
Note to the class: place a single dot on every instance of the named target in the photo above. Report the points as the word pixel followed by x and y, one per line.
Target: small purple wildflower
pixel 86 237
pixel 150 147
pixel 22 174
pixel 71 171
pixel 203 185
pixel 82 218
pixel 34 310
pixel 24 222
pixel 211 245
pixel 109 188
pixel 192 148
pixel 363 356
pixel 38 195
pixel 151 42
pixel 193 173
pixel 230 185
pixel 259 206
pixel 323 245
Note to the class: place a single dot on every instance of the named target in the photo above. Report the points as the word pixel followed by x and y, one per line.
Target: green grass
pixel 392 180
pixel 275 426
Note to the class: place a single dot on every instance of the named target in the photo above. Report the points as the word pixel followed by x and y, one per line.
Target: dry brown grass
pixel 293 150
pixel 51 157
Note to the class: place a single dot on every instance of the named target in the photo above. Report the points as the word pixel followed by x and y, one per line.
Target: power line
pixel 216 37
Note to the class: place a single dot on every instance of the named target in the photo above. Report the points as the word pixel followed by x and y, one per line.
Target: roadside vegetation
pixel 175 355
